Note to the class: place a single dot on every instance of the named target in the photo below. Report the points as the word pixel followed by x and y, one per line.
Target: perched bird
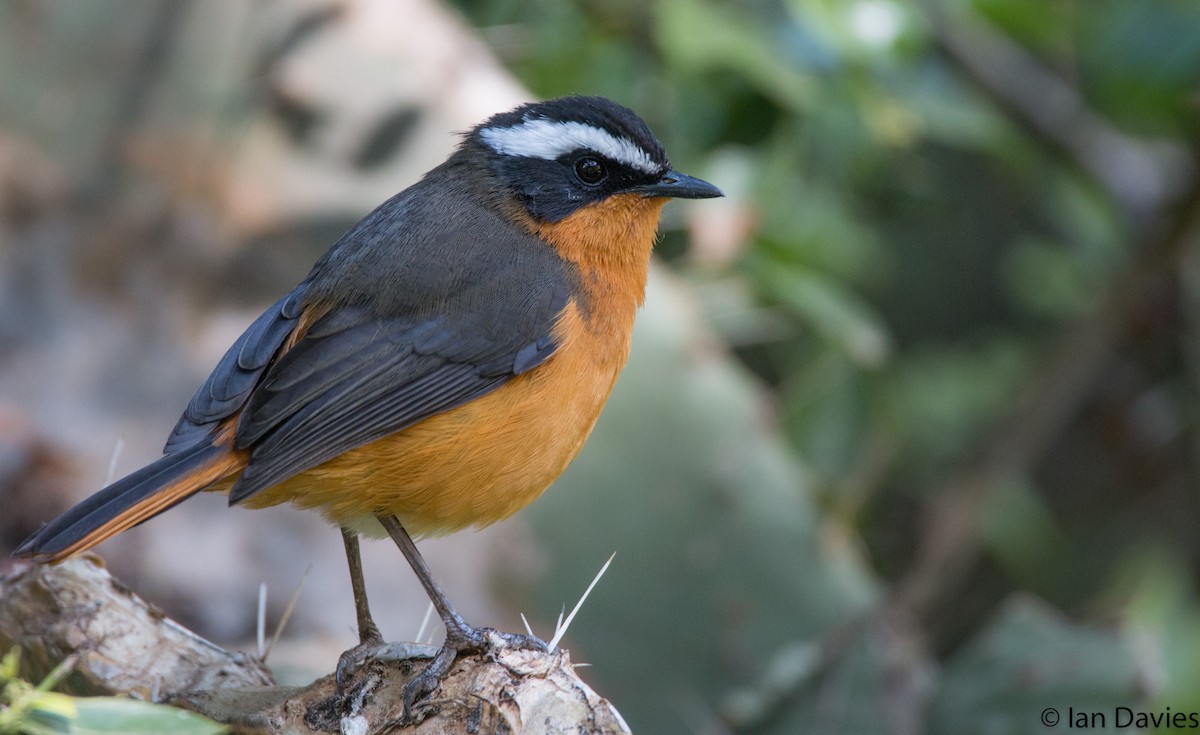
pixel 441 364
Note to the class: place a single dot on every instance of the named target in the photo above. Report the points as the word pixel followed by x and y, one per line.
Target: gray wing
pixel 354 378
pixel 234 378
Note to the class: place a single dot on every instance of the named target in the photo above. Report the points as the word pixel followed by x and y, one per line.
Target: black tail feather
pixel 106 505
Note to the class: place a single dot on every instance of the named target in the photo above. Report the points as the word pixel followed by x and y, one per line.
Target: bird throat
pixel 610 243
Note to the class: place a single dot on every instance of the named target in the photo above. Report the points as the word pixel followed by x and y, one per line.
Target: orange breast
pixel 483 461
pixel 478 463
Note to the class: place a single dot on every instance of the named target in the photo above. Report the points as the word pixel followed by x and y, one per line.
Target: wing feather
pixel 237 374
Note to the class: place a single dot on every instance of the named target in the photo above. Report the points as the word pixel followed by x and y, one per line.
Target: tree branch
pixel 127 647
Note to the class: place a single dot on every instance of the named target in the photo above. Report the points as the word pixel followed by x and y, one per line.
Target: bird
pixel 440 365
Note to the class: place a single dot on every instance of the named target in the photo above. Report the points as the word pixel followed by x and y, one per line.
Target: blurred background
pixel 908 439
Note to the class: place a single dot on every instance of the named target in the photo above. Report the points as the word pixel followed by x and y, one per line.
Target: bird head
pixel 560 156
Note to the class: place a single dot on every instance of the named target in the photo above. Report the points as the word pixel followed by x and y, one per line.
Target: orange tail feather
pixel 132 500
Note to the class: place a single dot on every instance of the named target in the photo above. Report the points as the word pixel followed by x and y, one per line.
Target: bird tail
pixel 130 501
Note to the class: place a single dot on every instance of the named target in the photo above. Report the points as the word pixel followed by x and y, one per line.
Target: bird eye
pixel 590 171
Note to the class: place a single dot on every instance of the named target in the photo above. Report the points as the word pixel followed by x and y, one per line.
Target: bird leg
pixel 460 637
pixel 369 638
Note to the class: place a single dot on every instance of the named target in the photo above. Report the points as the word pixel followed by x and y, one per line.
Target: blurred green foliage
pixel 26 709
pixel 955 283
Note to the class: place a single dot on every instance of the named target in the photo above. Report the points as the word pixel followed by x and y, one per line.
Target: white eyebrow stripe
pixel 549 139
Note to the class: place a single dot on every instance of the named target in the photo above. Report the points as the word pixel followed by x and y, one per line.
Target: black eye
pixel 590 171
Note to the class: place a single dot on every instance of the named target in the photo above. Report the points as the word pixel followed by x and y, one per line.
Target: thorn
pixel 561 630
pixel 261 628
pixel 287 614
pixel 112 461
pixel 424 623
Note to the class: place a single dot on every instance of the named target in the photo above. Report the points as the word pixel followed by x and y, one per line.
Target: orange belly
pixel 478 463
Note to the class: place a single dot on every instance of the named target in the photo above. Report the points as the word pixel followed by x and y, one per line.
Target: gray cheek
pixel 553 204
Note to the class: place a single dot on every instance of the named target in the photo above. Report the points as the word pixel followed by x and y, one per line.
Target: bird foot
pixel 463 639
pixel 351 660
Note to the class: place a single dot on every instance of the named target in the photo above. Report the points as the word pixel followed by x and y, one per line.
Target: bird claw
pixel 519 641
pixel 464 639
pixel 460 638
pixel 351 660
pixel 424 683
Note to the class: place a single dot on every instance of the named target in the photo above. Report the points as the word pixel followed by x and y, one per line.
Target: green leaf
pixel 51 711
pixel 827 414
pixel 1163 614
pixel 113 715
pixel 700 35
pixel 1029 659
pixel 942 396
pixel 1046 279
pixel 834 311
pixel 1020 533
